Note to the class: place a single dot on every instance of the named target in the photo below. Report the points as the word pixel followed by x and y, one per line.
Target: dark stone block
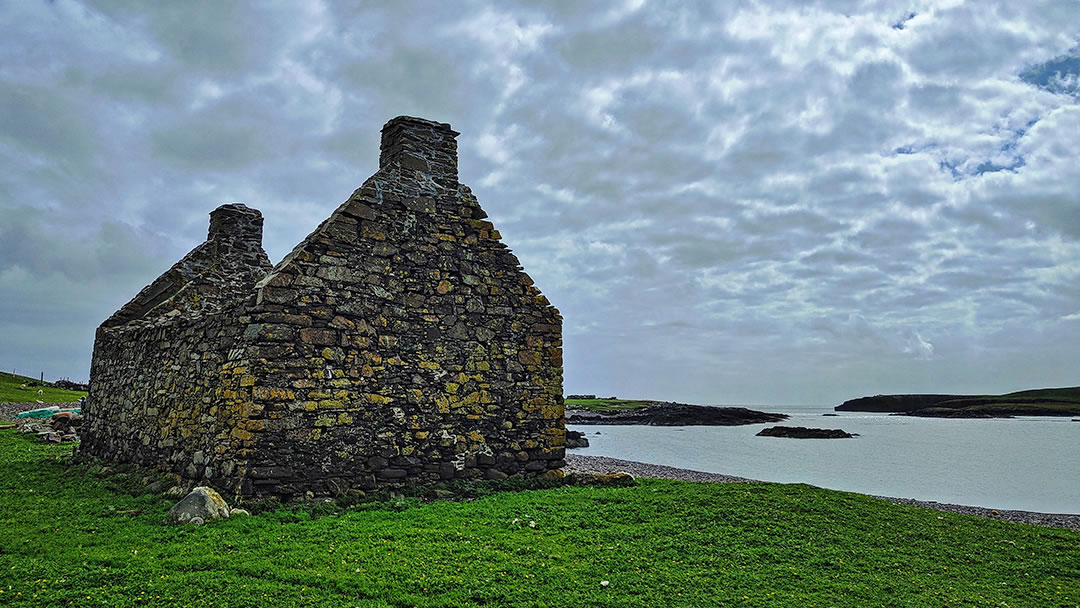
pixel 391 473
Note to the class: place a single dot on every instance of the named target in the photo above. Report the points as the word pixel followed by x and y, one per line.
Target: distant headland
pixel 1037 402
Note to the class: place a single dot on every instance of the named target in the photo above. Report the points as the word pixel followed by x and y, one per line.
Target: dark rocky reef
pixel 676 414
pixel 576 439
pixel 893 403
pixel 802 432
pixel 949 412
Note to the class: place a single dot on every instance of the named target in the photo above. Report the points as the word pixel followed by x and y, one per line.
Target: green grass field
pixel 73 538
pixel 606 405
pixel 11 391
pixel 1064 400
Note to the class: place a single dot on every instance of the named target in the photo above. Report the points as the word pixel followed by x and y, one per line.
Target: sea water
pixel 1027 463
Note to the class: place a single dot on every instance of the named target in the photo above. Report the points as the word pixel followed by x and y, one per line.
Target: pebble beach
pixel 601 464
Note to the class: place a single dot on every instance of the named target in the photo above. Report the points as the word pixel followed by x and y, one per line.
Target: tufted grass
pixel 606 405
pixel 72 538
pixel 11 391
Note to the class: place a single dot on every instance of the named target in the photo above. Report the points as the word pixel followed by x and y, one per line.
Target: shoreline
pixel 603 464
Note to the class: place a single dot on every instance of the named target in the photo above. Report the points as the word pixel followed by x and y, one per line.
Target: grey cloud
pixel 114 248
pixel 40 123
pixel 207 37
pixel 966 39
pixel 879 83
pixel 614 48
pixel 215 146
pixel 712 189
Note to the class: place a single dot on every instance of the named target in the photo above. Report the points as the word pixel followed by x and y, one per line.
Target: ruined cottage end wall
pixel 402 343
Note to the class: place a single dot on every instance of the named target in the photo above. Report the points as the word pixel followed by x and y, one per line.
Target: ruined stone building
pixel 399 343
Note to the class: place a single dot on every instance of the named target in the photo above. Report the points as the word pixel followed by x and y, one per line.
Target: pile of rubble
pixel 51 424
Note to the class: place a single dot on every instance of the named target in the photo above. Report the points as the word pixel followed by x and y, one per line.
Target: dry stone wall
pixel 399 343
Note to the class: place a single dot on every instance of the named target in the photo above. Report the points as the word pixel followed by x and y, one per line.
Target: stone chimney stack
pixel 420 145
pixel 236 226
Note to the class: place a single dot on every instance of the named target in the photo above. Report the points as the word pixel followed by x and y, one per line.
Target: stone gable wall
pixel 399 343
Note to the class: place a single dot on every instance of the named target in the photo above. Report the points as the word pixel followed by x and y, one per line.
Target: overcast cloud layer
pixel 761 203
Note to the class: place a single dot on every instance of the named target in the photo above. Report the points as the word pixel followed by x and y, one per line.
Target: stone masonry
pixel 400 343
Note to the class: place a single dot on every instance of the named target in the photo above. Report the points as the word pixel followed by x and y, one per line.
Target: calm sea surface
pixel 1028 463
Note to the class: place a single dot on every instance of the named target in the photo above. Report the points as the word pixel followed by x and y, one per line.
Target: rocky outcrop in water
pixel 576 439
pixel 676 414
pixel 802 432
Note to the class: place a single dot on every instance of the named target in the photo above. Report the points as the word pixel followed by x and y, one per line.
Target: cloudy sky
pixel 734 202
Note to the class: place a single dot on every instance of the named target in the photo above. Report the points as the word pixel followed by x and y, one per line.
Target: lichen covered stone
pixel 202 505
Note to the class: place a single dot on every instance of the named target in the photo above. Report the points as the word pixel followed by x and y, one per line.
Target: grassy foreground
pixel 11 391
pixel 71 538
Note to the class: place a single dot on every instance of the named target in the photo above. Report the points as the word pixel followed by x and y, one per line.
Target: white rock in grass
pixel 203 504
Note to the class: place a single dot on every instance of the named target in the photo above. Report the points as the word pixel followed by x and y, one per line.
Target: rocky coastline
pixel 663 413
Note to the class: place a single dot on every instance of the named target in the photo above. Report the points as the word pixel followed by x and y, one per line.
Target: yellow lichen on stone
pixel 241 434
pixel 443 404
pixel 551 412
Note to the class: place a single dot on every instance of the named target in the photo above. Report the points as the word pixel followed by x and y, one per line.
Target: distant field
pixel 1071 395
pixel 11 391
pixel 606 405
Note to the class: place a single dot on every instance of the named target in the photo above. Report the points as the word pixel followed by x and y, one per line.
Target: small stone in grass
pixel 203 504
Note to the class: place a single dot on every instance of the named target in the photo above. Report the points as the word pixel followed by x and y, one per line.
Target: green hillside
pixel 1067 395
pixel 21 389
pixel 1035 402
